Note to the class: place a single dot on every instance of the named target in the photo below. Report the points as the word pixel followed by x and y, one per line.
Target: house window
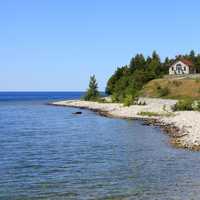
pixel 184 68
pixel 172 68
pixel 178 67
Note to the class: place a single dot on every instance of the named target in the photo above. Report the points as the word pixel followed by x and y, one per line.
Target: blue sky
pixel 48 45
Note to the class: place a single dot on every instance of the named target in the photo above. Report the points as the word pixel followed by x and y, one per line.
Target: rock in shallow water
pixel 77 113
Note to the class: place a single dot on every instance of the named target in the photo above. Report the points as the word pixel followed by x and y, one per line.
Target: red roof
pixel 186 62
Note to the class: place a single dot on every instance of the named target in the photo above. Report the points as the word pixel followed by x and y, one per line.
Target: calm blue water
pixel 47 153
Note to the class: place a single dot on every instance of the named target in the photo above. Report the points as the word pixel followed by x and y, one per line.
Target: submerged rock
pixel 77 113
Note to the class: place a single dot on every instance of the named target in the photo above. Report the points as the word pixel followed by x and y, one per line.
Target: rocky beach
pixel 182 127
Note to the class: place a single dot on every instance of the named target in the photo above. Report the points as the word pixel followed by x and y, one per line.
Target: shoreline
pixel 181 134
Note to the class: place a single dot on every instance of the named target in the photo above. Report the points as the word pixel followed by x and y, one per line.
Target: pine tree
pixel 165 66
pixel 192 55
pixel 154 67
pixel 92 93
pixel 137 62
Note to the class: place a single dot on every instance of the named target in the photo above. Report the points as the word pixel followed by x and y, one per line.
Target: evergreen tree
pixel 92 93
pixel 192 55
pixel 120 72
pixel 137 62
pixel 166 62
pixel 154 67
pixel 126 83
pixel 140 61
pixel 165 66
pixel 132 64
pixel 155 56
pixel 197 63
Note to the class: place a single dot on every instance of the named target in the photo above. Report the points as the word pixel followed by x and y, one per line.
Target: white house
pixel 182 66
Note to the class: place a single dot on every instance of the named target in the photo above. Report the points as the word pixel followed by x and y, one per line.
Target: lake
pixel 47 153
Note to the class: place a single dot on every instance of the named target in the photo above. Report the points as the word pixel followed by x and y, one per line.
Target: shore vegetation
pixel 92 93
pixel 132 80
pixel 187 104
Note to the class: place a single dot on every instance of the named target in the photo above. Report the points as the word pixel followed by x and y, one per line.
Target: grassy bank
pixel 175 88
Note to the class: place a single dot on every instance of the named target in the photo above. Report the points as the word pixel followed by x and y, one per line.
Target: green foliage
pixel 196 105
pixel 119 73
pixel 92 93
pixel 130 79
pixel 186 104
pixel 129 100
pixel 101 100
pixel 162 92
pixel 137 62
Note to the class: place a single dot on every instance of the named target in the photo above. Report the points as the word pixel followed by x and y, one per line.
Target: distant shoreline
pixel 180 126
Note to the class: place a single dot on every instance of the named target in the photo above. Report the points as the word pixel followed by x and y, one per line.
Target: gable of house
pixel 182 66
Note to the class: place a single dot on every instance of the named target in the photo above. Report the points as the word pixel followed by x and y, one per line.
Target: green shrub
pixel 196 105
pixel 163 91
pixel 186 104
pixel 114 98
pixel 128 100
pixel 101 100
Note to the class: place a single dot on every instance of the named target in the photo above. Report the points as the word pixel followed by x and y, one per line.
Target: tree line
pixel 127 81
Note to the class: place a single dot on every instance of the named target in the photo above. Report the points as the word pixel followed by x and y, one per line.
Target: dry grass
pixel 178 88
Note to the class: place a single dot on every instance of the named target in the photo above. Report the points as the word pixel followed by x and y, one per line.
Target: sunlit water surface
pixel 47 153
